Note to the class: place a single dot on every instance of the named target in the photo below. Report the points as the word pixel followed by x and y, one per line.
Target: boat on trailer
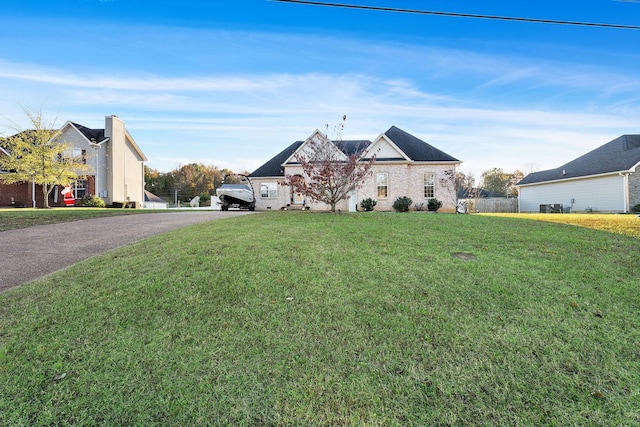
pixel 236 192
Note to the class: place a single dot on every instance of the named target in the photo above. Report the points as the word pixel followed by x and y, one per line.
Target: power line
pixel 460 15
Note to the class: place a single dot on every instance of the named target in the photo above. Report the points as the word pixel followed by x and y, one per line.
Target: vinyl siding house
pixel 404 166
pixel 606 179
pixel 116 161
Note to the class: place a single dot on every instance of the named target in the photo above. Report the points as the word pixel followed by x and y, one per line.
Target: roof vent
pixel 564 172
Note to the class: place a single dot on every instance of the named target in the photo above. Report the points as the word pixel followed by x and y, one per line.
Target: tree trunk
pixel 45 195
pixel 46 190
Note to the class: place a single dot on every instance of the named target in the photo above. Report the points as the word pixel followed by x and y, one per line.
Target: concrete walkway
pixel 29 253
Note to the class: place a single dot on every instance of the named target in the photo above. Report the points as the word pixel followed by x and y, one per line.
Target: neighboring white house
pixel 404 166
pixel 606 179
pixel 151 201
pixel 115 160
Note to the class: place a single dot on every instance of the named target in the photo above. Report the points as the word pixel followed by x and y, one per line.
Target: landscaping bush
pixel 636 208
pixel 402 204
pixel 368 204
pixel 434 204
pixel 205 199
pixel 92 202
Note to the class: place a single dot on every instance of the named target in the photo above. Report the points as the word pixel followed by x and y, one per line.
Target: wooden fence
pixel 489 205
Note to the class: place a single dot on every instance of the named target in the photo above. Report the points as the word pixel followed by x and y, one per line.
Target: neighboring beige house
pixel 606 179
pixel 115 159
pixel 404 166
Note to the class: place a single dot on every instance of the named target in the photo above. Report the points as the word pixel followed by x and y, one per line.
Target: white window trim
pixel 272 190
pixel 378 186
pixel 426 183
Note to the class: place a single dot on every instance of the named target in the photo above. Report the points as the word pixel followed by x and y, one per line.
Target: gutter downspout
pixel 625 191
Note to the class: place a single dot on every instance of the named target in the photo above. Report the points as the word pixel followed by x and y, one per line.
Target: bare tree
pixel 328 173
pixel 451 182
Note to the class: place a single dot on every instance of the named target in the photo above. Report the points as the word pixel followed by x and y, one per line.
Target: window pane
pixel 382 180
pixel 429 185
pixel 268 190
pixel 79 188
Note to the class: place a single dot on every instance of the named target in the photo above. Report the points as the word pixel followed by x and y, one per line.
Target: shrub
pixel 636 208
pixel 434 204
pixel 367 205
pixel 92 202
pixel 205 199
pixel 419 207
pixel 402 204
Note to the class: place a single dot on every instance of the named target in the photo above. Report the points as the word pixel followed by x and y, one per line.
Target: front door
pixel 353 201
pixel 297 199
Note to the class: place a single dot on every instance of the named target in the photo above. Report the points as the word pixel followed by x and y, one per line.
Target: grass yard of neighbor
pixel 22 218
pixel 317 319
pixel 627 224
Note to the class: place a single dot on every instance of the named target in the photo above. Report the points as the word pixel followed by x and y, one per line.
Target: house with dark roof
pixel 606 179
pixel 116 160
pixel 151 201
pixel 404 166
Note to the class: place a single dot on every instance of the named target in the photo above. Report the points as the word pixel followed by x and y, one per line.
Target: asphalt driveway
pixel 29 253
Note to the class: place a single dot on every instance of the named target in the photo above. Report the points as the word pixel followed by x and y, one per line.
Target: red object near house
pixel 69 200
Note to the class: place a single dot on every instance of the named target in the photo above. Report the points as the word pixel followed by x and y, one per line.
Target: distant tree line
pixel 495 180
pixel 185 182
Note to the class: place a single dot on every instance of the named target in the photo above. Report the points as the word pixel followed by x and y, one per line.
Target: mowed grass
pixel 627 224
pixel 303 318
pixel 11 219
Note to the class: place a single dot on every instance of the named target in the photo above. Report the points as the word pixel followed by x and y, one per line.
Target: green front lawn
pixel 303 318
pixel 11 219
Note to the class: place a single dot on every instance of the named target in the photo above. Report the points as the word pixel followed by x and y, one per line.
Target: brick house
pixel 116 161
pixel 404 166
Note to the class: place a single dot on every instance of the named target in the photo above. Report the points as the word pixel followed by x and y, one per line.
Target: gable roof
pixel 274 166
pixel 352 147
pixel 93 135
pixel 97 136
pixel 150 197
pixel 620 155
pixel 415 148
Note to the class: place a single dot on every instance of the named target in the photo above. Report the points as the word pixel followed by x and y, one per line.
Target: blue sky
pixel 230 83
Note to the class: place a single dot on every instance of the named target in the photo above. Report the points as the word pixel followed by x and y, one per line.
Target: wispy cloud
pixel 205 110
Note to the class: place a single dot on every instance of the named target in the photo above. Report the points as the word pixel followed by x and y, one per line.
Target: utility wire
pixel 460 15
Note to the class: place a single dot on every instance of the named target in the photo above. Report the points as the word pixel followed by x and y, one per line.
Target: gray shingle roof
pixel 91 134
pixel 416 149
pixel 274 166
pixel 619 155
pixel 352 147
